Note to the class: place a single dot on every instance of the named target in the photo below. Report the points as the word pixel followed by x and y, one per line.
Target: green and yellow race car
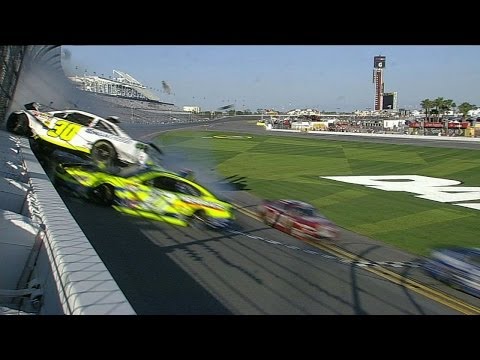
pixel 150 192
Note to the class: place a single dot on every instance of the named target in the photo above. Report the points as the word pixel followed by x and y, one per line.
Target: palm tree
pixel 465 108
pixel 427 105
pixel 438 103
pixel 447 105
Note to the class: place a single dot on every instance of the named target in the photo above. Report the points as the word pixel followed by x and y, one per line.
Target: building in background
pixel 193 109
pixel 390 101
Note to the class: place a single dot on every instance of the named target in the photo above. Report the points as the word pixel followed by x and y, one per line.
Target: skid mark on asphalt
pixel 360 263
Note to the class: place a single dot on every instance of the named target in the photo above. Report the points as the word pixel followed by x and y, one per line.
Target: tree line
pixel 434 109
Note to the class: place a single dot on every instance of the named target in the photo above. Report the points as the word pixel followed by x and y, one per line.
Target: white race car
pixel 82 133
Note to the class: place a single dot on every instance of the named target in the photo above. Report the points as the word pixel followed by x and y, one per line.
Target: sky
pixel 284 77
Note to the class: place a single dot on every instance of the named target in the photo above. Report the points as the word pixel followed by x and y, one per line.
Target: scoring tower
pixel 378 66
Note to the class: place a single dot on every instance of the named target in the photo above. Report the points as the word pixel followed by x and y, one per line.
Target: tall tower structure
pixel 378 66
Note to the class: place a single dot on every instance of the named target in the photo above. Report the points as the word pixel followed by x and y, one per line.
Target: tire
pixel 45 148
pixel 103 151
pixel 271 222
pixel 103 194
pixel 198 220
pixel 266 220
pixel 18 124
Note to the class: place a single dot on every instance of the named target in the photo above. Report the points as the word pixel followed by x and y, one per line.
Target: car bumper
pixel 219 223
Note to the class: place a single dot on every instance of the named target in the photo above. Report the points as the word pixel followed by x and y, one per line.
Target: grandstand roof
pixel 121 79
pixel 125 78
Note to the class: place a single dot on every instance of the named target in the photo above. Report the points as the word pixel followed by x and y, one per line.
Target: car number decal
pixel 64 130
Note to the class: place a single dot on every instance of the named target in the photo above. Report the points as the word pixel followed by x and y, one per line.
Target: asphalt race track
pixel 251 269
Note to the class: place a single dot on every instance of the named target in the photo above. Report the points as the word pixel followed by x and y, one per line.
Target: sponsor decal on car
pixel 197 201
pixel 107 135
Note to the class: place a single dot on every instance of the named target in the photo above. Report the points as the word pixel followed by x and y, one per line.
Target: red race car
pixel 297 218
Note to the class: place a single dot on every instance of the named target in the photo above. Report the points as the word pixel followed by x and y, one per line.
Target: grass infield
pixel 276 167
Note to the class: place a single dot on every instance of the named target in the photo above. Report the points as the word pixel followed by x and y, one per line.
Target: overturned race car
pixel 82 133
pixel 149 192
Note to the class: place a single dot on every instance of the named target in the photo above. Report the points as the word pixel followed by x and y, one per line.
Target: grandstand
pixel 121 84
pixel 130 100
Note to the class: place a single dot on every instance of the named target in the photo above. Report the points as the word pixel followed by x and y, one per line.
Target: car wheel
pixel 268 221
pixel 103 151
pixel 44 147
pixel 261 215
pixel 198 220
pixel 18 124
pixel 103 194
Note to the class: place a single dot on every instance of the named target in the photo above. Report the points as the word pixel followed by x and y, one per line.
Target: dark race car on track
pixel 81 133
pixel 458 267
pixel 297 218
pixel 149 192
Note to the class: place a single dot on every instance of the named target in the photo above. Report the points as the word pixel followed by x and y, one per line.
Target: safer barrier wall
pixel 72 276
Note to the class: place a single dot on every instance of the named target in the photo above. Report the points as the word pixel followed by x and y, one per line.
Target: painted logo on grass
pixel 424 187
pixel 232 137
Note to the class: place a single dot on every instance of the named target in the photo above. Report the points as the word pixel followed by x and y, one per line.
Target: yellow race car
pixel 146 191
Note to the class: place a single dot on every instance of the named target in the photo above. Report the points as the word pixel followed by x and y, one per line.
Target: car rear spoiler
pixel 39 107
pixel 32 106
pixel 113 119
pixel 155 147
